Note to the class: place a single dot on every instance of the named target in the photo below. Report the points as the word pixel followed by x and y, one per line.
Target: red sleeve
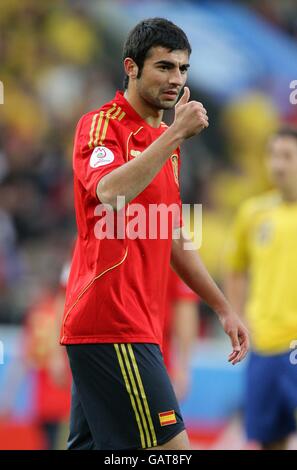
pixel 97 149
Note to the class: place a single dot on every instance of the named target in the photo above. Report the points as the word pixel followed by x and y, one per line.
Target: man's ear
pixel 131 68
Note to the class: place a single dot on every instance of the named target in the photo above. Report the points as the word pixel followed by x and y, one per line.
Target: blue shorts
pixel 271 397
pixel 122 397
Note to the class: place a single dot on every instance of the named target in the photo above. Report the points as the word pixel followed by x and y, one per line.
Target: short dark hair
pixel 286 131
pixel 153 32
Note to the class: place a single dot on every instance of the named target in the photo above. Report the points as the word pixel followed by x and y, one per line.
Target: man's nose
pixel 176 78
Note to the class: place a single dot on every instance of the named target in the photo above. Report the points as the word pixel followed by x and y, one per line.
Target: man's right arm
pixel 132 178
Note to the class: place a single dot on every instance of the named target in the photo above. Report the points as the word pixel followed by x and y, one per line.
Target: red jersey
pixel 117 286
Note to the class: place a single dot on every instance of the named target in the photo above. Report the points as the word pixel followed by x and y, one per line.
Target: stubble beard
pixel 162 105
pixel 156 103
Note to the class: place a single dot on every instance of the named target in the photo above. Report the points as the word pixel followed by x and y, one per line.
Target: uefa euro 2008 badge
pixel 101 156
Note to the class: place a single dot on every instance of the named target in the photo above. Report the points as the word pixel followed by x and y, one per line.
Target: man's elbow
pixel 108 196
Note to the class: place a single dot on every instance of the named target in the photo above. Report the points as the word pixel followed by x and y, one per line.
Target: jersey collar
pixel 130 111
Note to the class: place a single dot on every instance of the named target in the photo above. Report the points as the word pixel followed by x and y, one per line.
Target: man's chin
pixel 167 104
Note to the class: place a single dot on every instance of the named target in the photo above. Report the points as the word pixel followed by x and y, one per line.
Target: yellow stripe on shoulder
pixel 123 114
pixel 99 125
pixel 92 130
pixel 95 143
pixel 115 115
pixel 106 122
pixel 112 113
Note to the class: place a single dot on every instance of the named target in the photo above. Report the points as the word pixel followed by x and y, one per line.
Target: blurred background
pixel 60 59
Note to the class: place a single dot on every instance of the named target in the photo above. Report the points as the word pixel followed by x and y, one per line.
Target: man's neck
pixel 149 113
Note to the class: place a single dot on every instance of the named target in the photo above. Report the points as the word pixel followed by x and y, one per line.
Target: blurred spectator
pixel 262 263
pixel 48 65
pixel 51 397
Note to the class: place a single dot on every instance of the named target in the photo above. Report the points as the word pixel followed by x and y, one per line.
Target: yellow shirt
pixel 264 244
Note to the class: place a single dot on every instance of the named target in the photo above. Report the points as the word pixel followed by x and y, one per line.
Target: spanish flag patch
pixel 168 417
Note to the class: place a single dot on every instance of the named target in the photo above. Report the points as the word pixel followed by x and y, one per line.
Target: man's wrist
pixel 223 309
pixel 176 134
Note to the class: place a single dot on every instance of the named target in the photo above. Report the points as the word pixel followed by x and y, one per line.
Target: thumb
pixel 185 98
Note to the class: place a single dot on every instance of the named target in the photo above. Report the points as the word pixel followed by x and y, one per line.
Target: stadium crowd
pixel 58 62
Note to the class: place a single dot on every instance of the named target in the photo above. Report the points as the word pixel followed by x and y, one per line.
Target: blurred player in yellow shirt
pixel 262 282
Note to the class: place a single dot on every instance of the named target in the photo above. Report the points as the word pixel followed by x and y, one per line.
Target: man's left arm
pixel 190 268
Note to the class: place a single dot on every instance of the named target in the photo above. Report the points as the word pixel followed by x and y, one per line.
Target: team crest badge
pixel 174 161
pixel 101 156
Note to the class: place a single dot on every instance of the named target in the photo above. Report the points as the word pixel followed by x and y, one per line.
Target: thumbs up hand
pixel 185 98
pixel 190 116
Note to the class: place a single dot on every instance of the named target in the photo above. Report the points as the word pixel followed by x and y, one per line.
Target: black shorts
pixel 122 397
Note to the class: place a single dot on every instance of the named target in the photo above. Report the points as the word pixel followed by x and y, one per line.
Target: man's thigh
pixel 80 436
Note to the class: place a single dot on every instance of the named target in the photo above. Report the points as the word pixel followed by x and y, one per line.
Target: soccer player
pixel 113 322
pixel 261 280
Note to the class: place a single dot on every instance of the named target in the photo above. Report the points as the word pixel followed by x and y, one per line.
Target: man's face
pixel 282 161
pixel 163 75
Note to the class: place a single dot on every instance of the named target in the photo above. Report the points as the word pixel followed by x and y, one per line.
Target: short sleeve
pixel 97 150
pixel 237 252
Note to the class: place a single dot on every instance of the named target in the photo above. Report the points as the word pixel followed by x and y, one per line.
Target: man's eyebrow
pixel 171 64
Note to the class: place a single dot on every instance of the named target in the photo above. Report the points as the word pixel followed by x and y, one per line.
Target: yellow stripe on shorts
pixel 143 395
pixel 137 395
pixel 142 439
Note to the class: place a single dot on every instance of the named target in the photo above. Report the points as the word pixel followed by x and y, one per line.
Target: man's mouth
pixel 172 94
